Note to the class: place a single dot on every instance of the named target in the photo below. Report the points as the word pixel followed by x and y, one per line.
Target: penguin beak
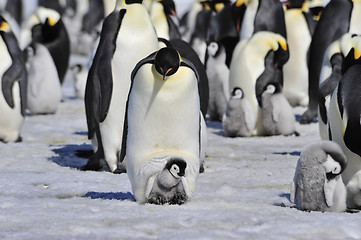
pixel 4 26
pixel 165 72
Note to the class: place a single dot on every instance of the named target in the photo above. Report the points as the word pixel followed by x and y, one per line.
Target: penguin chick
pixel 238 120
pixel 317 183
pixel 277 113
pixel 167 186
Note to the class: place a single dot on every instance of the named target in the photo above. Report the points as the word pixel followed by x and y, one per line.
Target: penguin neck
pixel 120 4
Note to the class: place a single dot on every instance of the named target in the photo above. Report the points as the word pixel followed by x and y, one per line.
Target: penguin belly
pixel 44 89
pixel 133 44
pixel 295 70
pixel 11 120
pixel 163 122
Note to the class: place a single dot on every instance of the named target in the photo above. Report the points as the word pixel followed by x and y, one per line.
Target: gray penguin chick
pixel 317 183
pixel 238 119
pixel 277 114
pixel 168 186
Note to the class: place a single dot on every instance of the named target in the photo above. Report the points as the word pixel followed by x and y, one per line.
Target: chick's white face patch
pixel 332 166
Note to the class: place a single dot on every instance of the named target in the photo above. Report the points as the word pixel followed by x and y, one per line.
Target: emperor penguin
pixel 331 74
pixel 165 20
pixel 300 26
pixel 263 15
pixel 238 119
pixel 277 114
pixel 188 20
pixel 218 74
pixel 163 122
pixel 126 29
pixel 45 26
pixel 13 80
pixel 345 124
pixel 337 18
pixel 317 184
pixel 12 11
pixel 44 89
pixel 257 62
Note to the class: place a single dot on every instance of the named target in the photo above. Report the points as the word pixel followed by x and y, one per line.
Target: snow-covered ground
pixel 243 193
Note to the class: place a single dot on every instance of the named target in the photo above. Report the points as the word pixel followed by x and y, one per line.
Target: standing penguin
pixel 317 184
pixel 13 77
pixel 165 20
pixel 218 74
pixel 238 119
pixel 44 88
pixel 300 27
pixel 257 62
pixel 338 18
pixel 163 122
pixel 277 114
pixel 263 15
pixel 345 123
pixel 126 29
pixel 46 27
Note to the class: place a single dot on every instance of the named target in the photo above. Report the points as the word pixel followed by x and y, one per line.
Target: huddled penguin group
pixel 150 81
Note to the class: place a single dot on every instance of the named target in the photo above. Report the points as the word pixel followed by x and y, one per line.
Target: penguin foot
pixel 120 171
pixel 201 168
pixel 94 164
pixel 20 139
pixel 308 117
pixel 84 153
pixel 158 200
pixel 179 198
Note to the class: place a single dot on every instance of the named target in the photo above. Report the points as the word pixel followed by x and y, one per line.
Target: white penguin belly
pixel 163 120
pixel 295 70
pixel 11 119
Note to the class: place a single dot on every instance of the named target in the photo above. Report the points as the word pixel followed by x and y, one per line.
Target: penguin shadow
pixel 110 196
pixel 298 117
pixel 284 201
pixel 217 126
pixel 71 155
pixel 294 153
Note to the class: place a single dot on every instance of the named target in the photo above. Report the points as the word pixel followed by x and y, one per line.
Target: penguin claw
pixel 308 117
pixel 119 171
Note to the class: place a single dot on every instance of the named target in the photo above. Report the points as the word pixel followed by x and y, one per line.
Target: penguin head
pixel 237 93
pixel 176 167
pixel 335 160
pixel 4 26
pixel 213 49
pixel 169 7
pixel 47 16
pixel 167 61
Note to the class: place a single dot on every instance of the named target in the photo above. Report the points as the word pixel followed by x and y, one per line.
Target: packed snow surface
pixel 243 193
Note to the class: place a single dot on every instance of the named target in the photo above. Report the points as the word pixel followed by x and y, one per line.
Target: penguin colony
pixel 151 80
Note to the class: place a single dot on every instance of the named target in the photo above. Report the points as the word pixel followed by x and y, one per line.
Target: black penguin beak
pixel 165 72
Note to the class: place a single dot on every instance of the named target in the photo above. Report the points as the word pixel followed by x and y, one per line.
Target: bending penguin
pixel 317 184
pixel 257 62
pixel 13 77
pixel 345 124
pixel 338 17
pixel 109 82
pixel 331 74
pixel 46 27
pixel 238 119
pixel 163 122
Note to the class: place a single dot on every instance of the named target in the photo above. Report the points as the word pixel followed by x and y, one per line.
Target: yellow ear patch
pixel 357 53
pixel 4 26
pixel 283 44
pixel 239 3
pixel 51 21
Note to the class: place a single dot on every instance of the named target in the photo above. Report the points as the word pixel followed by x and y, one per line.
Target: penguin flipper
pixel 100 81
pixel 149 59
pixel 293 193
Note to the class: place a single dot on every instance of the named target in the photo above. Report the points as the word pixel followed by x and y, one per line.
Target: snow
pixel 243 193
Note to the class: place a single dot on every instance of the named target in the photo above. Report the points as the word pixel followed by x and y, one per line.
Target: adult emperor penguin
pixel 317 184
pixel 238 119
pixel 338 18
pixel 126 29
pixel 45 26
pixel 257 62
pixel 165 20
pixel 345 123
pixel 331 74
pixel 13 77
pixel 163 122
pixel 263 15
pixel 300 26
pixel 277 114
pixel 44 88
